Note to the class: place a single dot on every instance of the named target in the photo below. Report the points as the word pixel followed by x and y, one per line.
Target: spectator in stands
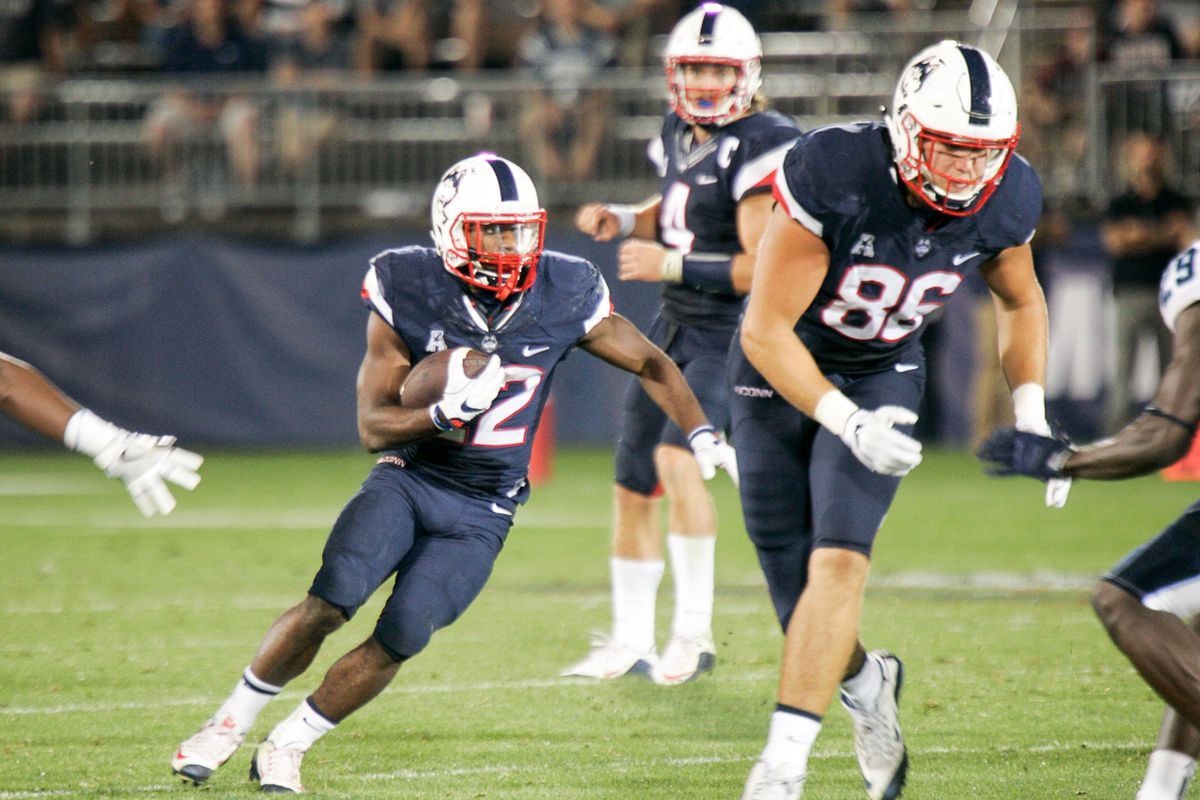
pixel 210 40
pixel 420 34
pixel 1054 135
pixel 631 23
pixel 313 60
pixel 1140 39
pixel 31 46
pixel 564 120
pixel 1143 228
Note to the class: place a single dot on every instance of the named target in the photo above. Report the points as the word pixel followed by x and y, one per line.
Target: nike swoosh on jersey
pixel 530 350
pixel 499 509
pixel 906 367
pixel 705 180
pixel 963 258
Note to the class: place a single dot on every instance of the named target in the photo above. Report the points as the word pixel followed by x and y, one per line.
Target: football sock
pixel 634 588
pixel 863 688
pixel 692 571
pixel 1167 776
pixel 302 727
pixel 248 698
pixel 791 738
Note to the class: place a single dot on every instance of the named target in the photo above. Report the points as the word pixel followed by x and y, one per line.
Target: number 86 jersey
pixel 891 266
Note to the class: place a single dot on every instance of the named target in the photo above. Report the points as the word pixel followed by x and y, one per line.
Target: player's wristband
pixel 672 268
pixel 1155 411
pixel 1029 406
pixel 833 411
pixel 89 434
pixel 700 429
pixel 626 218
pixel 709 271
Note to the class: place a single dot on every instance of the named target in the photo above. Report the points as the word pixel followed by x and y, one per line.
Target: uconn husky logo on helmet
pixel 487 224
pixel 956 96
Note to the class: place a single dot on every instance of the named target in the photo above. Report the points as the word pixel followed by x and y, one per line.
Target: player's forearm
pixel 1022 334
pixel 665 385
pixel 783 360
pixel 383 427
pixel 29 398
pixel 1147 444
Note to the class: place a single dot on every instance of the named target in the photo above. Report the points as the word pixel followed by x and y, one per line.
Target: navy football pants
pixel 440 543
pixel 700 355
pixel 1164 573
pixel 802 488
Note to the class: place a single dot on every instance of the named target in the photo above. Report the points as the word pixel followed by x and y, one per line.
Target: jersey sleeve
pixel 760 156
pixel 1012 214
pixel 803 189
pixel 1180 287
pixel 598 300
pixel 375 287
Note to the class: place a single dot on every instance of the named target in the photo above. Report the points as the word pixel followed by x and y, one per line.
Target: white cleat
pixel 277 768
pixel 610 660
pixel 684 659
pixel 779 783
pixel 199 757
pixel 878 742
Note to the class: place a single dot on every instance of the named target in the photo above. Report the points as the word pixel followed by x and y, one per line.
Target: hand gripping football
pixel 426 381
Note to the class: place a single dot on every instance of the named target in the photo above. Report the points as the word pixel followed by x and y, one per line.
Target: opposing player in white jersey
pixel 141 461
pixel 1149 600
pixel 717 154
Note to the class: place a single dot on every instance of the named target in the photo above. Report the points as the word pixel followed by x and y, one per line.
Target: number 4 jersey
pixel 414 293
pixel 890 265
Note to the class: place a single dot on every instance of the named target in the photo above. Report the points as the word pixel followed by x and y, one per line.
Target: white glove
pixel 870 435
pixel 1029 404
pixel 465 398
pixel 142 461
pixel 712 451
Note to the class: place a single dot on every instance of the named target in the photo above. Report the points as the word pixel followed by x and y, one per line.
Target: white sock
pixel 863 688
pixel 790 740
pixel 301 728
pixel 248 698
pixel 1167 776
pixel 692 560
pixel 634 589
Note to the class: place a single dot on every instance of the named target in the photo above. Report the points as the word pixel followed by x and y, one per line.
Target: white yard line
pixel 642 764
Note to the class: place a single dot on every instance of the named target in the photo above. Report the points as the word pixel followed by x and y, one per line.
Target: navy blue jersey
pixel 430 309
pixel 890 265
pixel 702 186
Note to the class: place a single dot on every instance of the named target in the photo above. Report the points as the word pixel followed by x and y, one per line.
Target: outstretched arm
pixel 1162 435
pixel 619 342
pixel 142 462
pixel 29 398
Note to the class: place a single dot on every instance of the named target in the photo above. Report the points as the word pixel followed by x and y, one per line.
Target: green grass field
pixel 119 636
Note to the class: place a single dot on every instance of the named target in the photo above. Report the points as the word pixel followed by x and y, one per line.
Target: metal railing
pixel 117 146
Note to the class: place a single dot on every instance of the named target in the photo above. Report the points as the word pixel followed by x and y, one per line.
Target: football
pixel 426 381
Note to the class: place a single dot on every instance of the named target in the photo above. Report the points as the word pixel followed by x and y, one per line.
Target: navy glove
pixel 1014 452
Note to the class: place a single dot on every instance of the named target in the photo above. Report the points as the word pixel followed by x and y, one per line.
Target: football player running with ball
pixel 1149 600
pixel 877 225
pixel 437 507
pixel 717 155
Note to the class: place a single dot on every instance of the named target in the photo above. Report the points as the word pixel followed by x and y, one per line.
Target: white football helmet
pixel 713 34
pixel 956 95
pixel 487 224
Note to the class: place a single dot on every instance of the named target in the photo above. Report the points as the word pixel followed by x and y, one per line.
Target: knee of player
pixel 322 616
pixel 1112 603
pixel 677 469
